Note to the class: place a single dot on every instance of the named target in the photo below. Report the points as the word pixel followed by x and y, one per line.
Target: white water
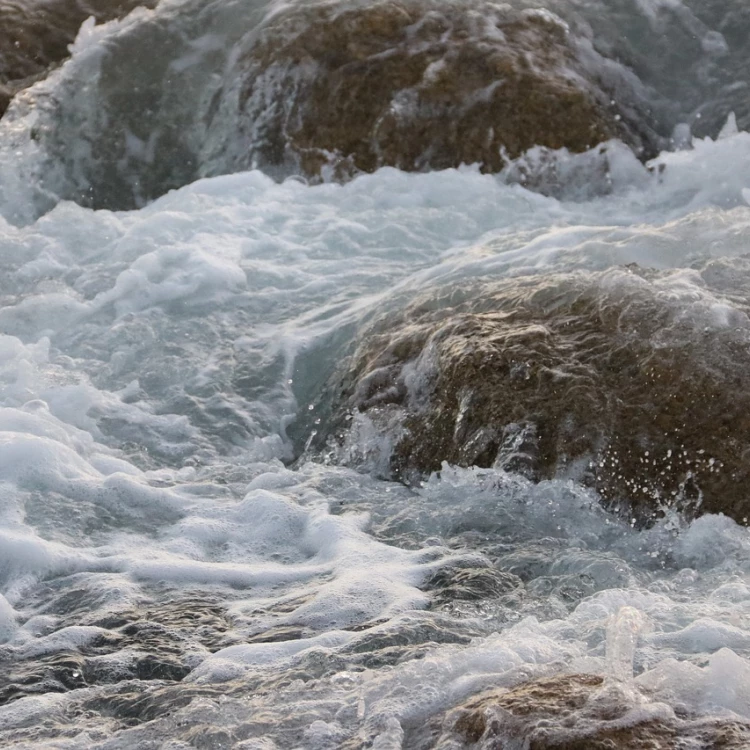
pixel 151 363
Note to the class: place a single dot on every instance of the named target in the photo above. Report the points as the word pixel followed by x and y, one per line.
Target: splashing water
pixel 176 572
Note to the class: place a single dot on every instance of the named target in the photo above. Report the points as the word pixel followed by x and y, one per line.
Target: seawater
pixel 173 573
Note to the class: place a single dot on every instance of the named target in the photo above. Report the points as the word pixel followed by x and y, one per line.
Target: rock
pixel 579 712
pixel 55 673
pixel 464 582
pixel 323 90
pixel 155 643
pixel 36 35
pixel 726 81
pixel 616 378
pixel 340 88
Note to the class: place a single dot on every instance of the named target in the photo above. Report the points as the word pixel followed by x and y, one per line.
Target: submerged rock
pixel 36 35
pixel 153 643
pixel 579 712
pixel 339 88
pixel 470 583
pixel 324 90
pixel 636 382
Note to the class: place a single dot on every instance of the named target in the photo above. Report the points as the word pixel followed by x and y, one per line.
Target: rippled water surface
pixel 184 563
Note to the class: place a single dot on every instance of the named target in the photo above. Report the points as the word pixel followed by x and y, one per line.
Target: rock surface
pixel 578 712
pixel 621 379
pixel 340 88
pixel 36 35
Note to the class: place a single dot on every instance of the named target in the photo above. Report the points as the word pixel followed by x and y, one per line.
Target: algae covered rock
pixel 36 35
pixel 579 712
pixel 635 382
pixel 338 88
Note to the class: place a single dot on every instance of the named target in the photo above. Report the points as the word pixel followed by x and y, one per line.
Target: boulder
pixel 36 35
pixel 335 89
pixel 636 382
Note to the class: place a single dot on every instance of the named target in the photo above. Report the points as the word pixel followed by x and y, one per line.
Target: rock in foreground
pixel 579 712
pixel 635 382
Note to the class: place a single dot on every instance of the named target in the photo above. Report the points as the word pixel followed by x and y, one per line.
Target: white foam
pixel 150 365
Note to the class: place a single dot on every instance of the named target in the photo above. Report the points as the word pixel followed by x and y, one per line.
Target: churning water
pixel 178 571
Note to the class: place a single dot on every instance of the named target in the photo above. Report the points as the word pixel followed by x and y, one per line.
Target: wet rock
pixel 729 76
pixel 56 673
pixel 36 35
pixel 138 702
pixel 417 632
pixel 624 380
pixel 177 622
pixel 324 90
pixel 151 667
pixel 693 55
pixel 6 94
pixel 579 712
pixel 278 634
pixel 336 89
pixel 577 177
pixel 470 583
pixel 107 661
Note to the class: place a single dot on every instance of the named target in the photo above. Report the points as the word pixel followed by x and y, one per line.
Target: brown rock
pixel 36 34
pixel 421 84
pixel 6 93
pixel 579 712
pixel 596 376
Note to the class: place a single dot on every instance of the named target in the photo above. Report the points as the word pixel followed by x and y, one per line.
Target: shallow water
pixel 176 571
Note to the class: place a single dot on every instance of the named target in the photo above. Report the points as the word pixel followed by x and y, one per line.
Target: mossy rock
pixel 336 89
pixel 36 35
pixel 603 377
